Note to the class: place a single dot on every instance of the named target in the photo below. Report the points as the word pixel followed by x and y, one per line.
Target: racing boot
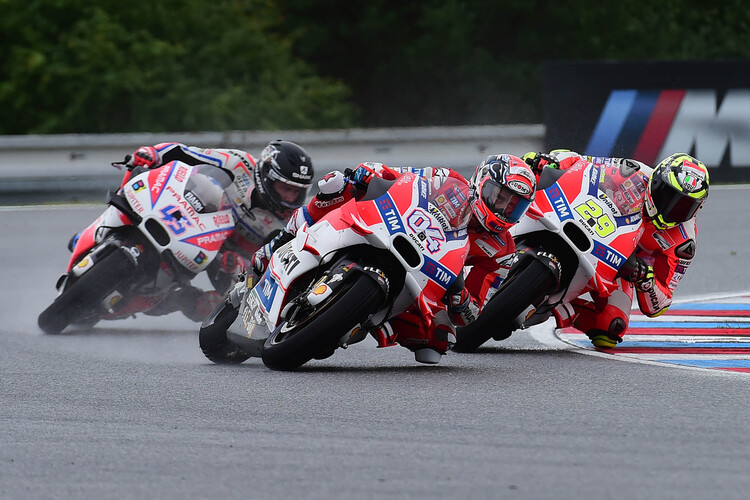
pixel 565 315
pixel 191 301
pixel 384 335
pixel 602 339
pixel 199 305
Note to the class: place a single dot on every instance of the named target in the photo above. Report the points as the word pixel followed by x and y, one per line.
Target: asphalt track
pixel 131 409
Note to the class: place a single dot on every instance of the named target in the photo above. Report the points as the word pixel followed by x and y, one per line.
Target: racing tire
pixel 80 302
pixel 213 337
pixel 521 289
pixel 317 334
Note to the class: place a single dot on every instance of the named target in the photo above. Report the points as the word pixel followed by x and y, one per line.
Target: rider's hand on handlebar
pixel 232 262
pixel 642 275
pixel 262 257
pixel 145 156
pixel 259 262
pixel 462 309
pixel 360 176
pixel 537 161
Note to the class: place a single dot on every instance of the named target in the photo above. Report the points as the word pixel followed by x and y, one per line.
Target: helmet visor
pixel 502 201
pixel 283 193
pixel 673 205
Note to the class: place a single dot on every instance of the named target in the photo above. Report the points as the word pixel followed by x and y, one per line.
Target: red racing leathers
pixel 669 252
pixel 489 258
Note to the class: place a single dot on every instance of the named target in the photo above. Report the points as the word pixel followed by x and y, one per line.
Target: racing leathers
pixel 489 258
pixel 663 257
pixel 255 223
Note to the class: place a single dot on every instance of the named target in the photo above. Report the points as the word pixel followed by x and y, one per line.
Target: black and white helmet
pixel 283 176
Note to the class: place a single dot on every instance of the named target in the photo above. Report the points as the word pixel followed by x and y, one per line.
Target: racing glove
pixel 262 257
pixel 359 177
pixel 145 156
pixel 537 161
pixel 233 263
pixel 462 309
pixel 642 275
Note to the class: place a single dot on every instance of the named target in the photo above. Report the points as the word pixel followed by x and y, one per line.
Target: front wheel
pixel 313 333
pixel 81 301
pixel 213 336
pixel 520 290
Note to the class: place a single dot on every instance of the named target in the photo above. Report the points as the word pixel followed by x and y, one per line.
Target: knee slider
pixel 617 327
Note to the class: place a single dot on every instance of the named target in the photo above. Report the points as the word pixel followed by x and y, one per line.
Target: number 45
pixel 596 217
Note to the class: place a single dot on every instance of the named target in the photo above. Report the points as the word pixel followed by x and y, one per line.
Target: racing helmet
pixel 676 190
pixel 283 176
pixel 501 190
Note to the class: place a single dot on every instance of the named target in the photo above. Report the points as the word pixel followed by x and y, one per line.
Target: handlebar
pixel 124 163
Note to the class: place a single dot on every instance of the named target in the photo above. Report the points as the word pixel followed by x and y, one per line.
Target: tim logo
pixel 607 255
pixel 266 289
pixel 559 203
pixel 649 125
pixel 437 273
pixel 389 214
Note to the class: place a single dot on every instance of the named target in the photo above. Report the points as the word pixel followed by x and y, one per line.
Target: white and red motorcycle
pixel 403 245
pixel 162 228
pixel 578 236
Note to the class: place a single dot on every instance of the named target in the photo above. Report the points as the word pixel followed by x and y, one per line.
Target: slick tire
pixel 81 300
pixel 520 290
pixel 213 337
pixel 315 336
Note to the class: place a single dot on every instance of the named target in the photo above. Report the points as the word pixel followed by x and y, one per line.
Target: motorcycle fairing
pixel 378 224
pixel 576 199
pixel 156 181
pixel 95 233
pixel 194 238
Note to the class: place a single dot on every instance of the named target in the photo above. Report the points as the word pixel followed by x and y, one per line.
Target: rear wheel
pixel 81 301
pixel 520 290
pixel 314 333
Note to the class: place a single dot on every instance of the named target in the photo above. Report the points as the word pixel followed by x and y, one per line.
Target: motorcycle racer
pixel 264 194
pixel 499 193
pixel 668 200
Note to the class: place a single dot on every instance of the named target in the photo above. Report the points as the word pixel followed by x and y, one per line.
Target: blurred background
pixel 82 80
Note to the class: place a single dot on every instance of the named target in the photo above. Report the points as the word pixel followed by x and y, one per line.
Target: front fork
pixel 337 275
pixel 96 232
pixel 525 255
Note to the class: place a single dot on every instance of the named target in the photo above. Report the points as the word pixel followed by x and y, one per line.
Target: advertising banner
pixel 649 110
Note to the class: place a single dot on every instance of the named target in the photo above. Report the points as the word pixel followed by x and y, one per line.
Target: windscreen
pixel 450 198
pixel 623 185
pixel 206 189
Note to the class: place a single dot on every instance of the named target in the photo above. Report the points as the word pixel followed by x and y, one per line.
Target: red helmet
pixel 502 188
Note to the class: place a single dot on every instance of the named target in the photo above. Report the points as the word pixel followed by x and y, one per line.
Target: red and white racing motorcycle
pixel 579 235
pixel 403 245
pixel 162 228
